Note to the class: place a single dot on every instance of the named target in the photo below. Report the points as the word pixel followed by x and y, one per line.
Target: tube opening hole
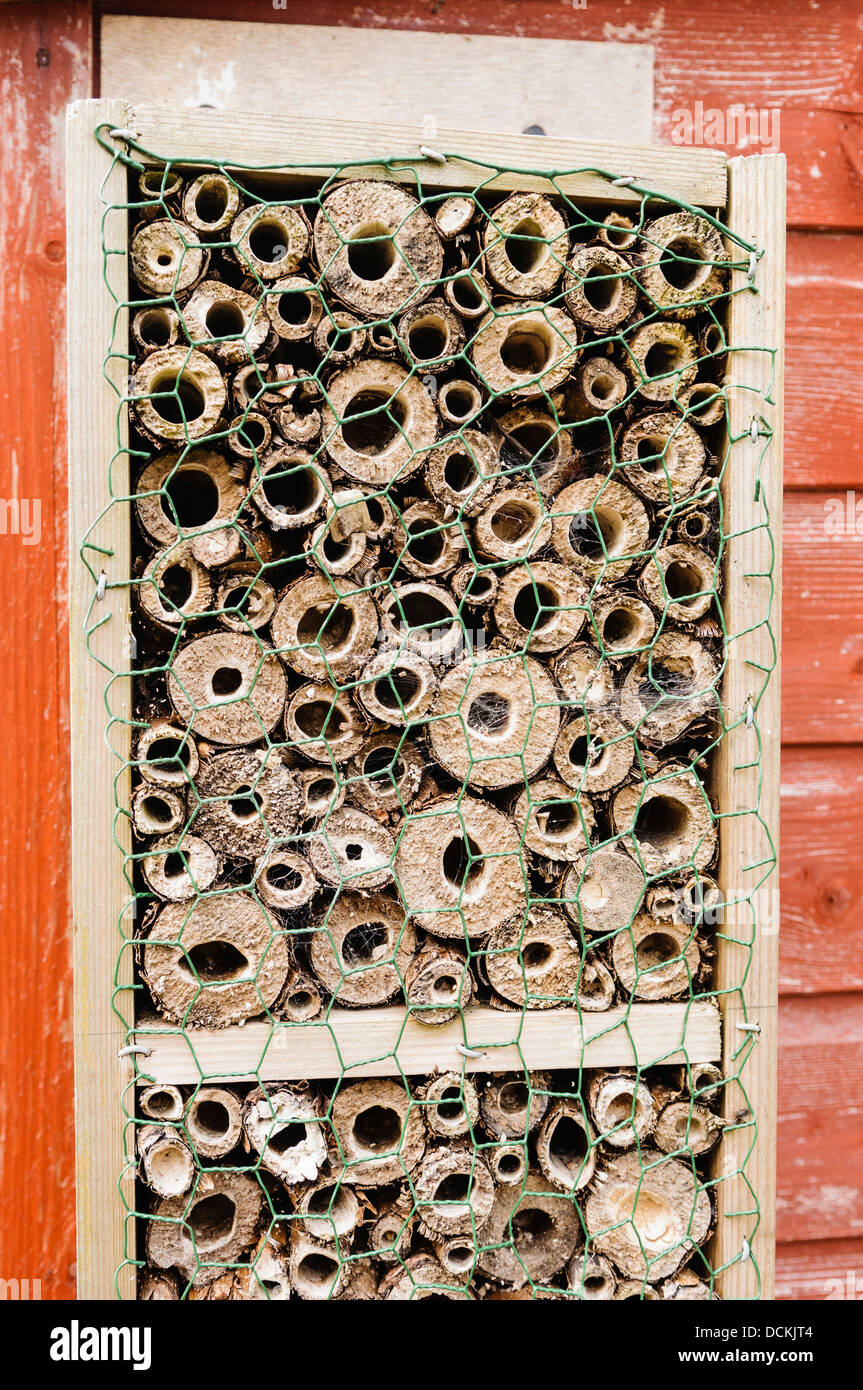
pixel 283 877
pixel 428 338
pixel 567 1148
pixel 682 264
pixel 513 1098
pixel 294 493
pixel 177 399
pixel 211 1119
pixel 489 714
pixel 295 307
pixel 191 496
pixel 601 290
pixel 377 1129
pixel 657 949
pixel 460 401
pixel 215 961
pixel 462 862
pixel 445 990
pixel 371 251
pixel 211 202
pixel 454 1188
pixel 425 546
pixel 534 607
pixel 175 585
pixel 683 581
pixel 318 1271
pixel 530 1225
pixel 212 1220
pixel 330 626
pixel 154 327
pixel 268 241
pixel 227 681
pixel 661 359
pixel 373 420
pixel 168 750
pixel 525 246
pixel 537 955
pixel 225 319
pixel 512 521
pixel 398 690
pixel 620 629
pixel 662 823
pixel 317 718
pixel 365 944
pixel 525 351
pixel 467 294
pixel 460 472
pixel 556 819
pixel 246 804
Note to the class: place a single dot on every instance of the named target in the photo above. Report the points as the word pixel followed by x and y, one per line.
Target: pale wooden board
pixel 98 888
pixel 256 141
pixel 757 212
pixel 642 1033
pixel 430 80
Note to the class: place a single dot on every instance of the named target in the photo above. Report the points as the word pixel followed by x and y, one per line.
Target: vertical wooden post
pixel 105 1239
pixel 748 778
pixel 45 62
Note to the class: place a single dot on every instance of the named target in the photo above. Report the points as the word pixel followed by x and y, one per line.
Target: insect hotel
pixel 425 530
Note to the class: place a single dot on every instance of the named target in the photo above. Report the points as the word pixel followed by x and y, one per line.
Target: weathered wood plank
pixel 821 940
pixel 820 1182
pixel 35 1002
pixel 277 140
pixel 556 1038
pixel 99 891
pixel 453 80
pixel 822 636
pixel 811 1269
pixel 747 774
pixel 824 424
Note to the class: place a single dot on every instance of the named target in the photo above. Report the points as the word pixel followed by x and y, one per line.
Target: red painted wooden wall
pixel 807 60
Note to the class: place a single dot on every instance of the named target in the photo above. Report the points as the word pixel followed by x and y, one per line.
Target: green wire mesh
pixel 397 1235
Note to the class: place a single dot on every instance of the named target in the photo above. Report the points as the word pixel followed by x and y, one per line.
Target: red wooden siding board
pixel 802 58
pixel 821 941
pixel 822 655
pixel 38 1226
pixel 820 1179
pixel 824 361
pixel 820 1269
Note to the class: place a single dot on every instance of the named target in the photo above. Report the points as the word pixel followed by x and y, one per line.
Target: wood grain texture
pixel 820 1181
pixel 822 635
pixel 821 940
pixel 257 141
pixel 747 772
pixel 825 304
pixel 37 1231
pixel 499 84
pixel 99 890
pixel 646 1033
pixel 799 57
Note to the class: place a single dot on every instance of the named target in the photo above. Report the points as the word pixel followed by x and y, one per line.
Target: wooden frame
pixel 752 200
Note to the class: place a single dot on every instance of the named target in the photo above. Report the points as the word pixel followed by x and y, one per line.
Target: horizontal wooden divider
pixel 646 1033
pixel 252 140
